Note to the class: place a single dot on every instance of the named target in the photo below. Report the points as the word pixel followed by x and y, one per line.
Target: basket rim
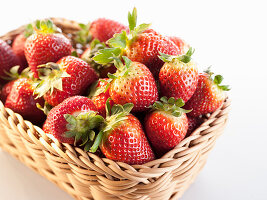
pixel 76 156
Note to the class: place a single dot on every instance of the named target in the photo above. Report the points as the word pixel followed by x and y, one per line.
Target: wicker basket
pixel 86 176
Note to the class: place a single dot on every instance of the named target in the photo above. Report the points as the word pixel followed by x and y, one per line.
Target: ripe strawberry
pixel 8 59
pixel 179 75
pixel 143 46
pixel 193 123
pixel 181 44
pixel 19 44
pixel 100 95
pixel 68 77
pixel 132 83
pixel 6 90
pixel 18 49
pixel 21 100
pixel 122 138
pixel 209 95
pixel 166 125
pixel 104 29
pixel 90 52
pixel 13 75
pixel 73 120
pixel 45 46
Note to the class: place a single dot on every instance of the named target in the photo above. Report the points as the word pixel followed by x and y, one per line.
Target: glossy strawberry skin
pixel 18 48
pixel 104 29
pixel 43 48
pixel 207 97
pixel 127 143
pixel 145 49
pixel 21 100
pixel 55 123
pixel 6 90
pixel 101 99
pixel 138 87
pixel 178 80
pixel 8 59
pixel 81 76
pixel 165 131
pixel 181 44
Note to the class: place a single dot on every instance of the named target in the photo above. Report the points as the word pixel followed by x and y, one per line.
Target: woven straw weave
pixel 86 176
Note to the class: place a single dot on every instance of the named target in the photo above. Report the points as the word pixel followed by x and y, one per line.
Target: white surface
pixel 230 36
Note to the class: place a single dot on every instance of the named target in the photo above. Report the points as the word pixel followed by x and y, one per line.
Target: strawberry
pixel 179 75
pixel 104 29
pixel 99 96
pixel 209 94
pixel 122 138
pixel 21 100
pixel 19 43
pixel 166 125
pixel 143 46
pixel 8 59
pixel 6 90
pixel 18 49
pixel 193 123
pixel 68 77
pixel 12 75
pixel 45 45
pixel 73 121
pixel 132 83
pixel 90 52
pixel 181 44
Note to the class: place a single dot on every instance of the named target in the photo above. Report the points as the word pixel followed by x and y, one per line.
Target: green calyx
pixel 46 109
pixel 115 115
pixel 45 27
pixel 186 58
pixel 50 78
pixel 83 36
pixel 171 106
pixel 14 74
pixel 217 80
pixel 83 128
pixel 120 41
pixel 28 30
pixel 95 47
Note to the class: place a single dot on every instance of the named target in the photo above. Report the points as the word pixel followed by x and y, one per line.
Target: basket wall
pixel 86 176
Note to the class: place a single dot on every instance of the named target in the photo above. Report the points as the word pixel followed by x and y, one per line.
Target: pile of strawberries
pixel 131 96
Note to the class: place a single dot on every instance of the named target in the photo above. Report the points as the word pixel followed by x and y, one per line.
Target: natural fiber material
pixel 86 176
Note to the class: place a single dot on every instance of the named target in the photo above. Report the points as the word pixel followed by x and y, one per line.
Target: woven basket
pixel 86 176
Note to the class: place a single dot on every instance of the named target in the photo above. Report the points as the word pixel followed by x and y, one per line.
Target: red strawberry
pixel 132 83
pixel 209 95
pixel 45 46
pixel 99 96
pixel 6 90
pixel 193 123
pixel 144 47
pixel 18 48
pixel 8 59
pixel 68 77
pixel 181 44
pixel 122 138
pixel 104 29
pixel 178 77
pixel 12 75
pixel 73 120
pixel 166 125
pixel 21 100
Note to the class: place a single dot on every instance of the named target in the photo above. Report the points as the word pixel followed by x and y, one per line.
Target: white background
pixel 229 35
